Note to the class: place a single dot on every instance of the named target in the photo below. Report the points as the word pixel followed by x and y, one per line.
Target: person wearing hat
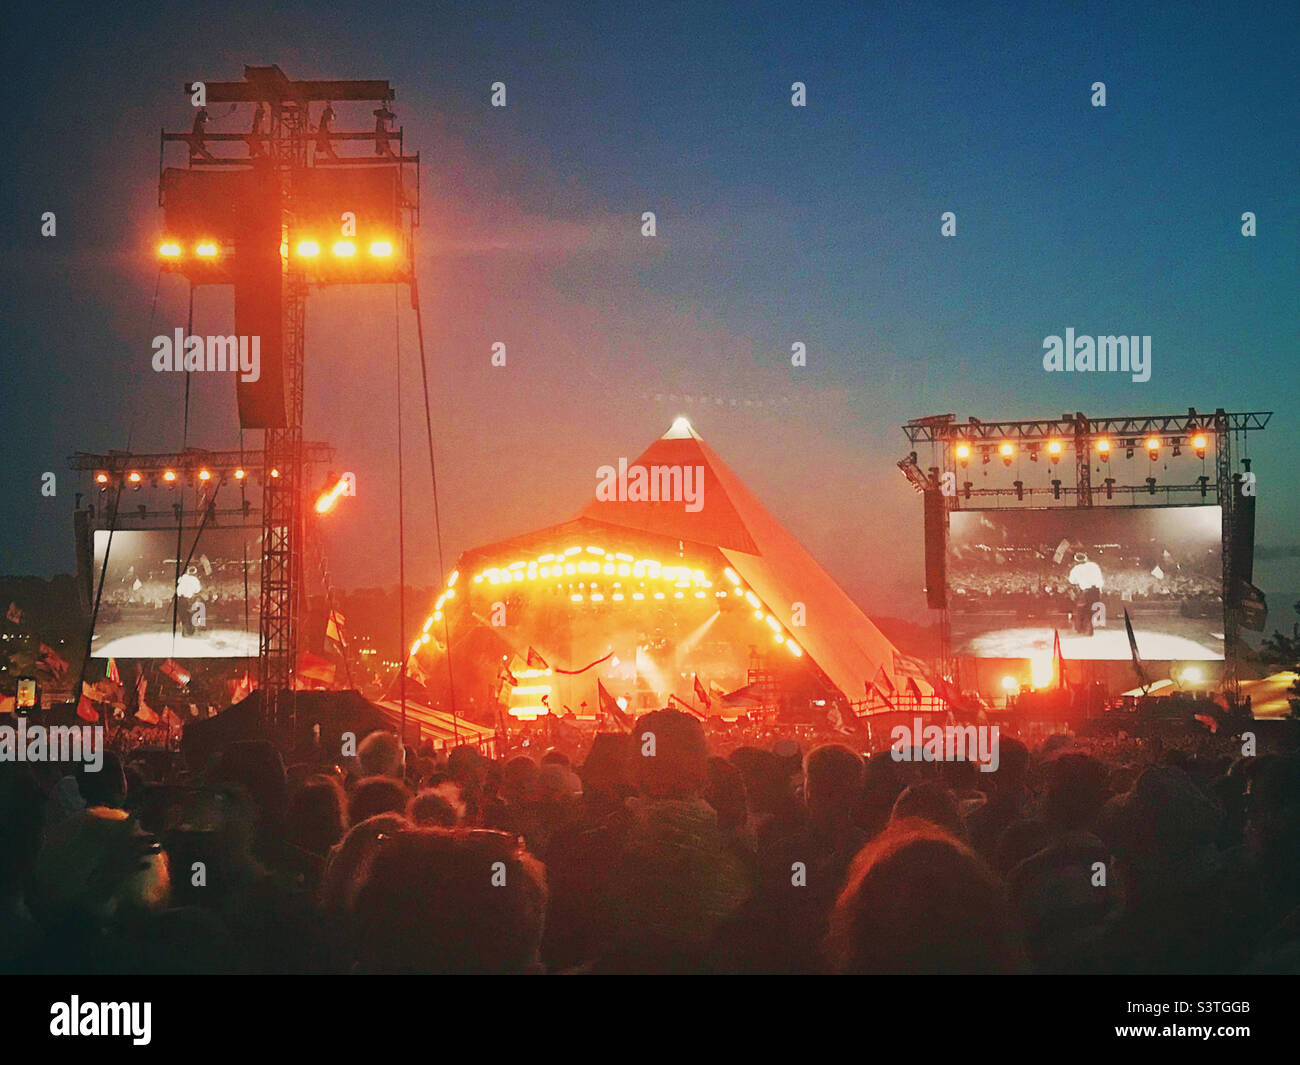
pixel 1086 576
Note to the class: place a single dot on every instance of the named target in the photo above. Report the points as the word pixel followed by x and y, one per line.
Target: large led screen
pixel 158 601
pixel 1016 578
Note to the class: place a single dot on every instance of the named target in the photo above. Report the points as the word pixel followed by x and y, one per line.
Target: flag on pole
pixel 53 661
pixel 334 629
pixel 173 669
pixel 1133 647
pixel 85 706
pixel 610 709
pixel 701 694
pixel 699 715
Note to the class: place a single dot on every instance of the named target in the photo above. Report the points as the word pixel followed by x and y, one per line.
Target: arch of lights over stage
pixel 649 598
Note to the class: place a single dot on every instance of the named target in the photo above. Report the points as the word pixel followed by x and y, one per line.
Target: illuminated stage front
pixel 713 606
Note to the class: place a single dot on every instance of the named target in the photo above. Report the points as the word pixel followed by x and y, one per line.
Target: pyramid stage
pixel 673 586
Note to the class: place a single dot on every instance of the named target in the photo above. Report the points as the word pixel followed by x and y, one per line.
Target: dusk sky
pixel 776 224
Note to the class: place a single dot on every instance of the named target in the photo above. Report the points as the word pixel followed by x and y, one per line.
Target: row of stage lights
pixel 136 480
pixel 306 248
pixel 1054 448
pixel 611 564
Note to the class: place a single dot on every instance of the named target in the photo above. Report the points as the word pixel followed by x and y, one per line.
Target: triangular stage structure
pixel 725 538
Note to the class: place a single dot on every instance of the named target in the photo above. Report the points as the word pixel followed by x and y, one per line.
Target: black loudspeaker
pixel 259 314
pixel 936 546
pixel 259 303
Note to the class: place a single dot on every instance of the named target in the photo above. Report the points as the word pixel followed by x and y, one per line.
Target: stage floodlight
pixel 308 249
pixel 1153 446
pixel 1010 684
pixel 344 249
pixel 962 452
pixel 275 472
pixel 1103 449
pixel 169 249
pixel 205 475
pixel 381 249
pixel 169 476
pixel 206 249
pixel 1199 442
pixel 1128 452
pixel 1054 450
pixel 101 478
pixel 239 475
pixel 1033 452
pixel 1006 451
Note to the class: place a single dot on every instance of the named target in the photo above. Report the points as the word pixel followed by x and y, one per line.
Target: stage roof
pixel 837 635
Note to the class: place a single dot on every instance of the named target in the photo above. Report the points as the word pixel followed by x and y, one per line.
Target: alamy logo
pixel 102 1018
pixel 946 743
pixel 1110 354
pixel 55 743
pixel 238 354
pixel 651 484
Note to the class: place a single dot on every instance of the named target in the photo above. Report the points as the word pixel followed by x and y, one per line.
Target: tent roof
pixel 837 635
pixel 437 723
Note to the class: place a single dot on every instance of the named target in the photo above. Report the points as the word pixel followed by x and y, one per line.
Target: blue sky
pixel 818 224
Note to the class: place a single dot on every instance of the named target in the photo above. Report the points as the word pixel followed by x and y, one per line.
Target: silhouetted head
pixel 919 901
pixel 671 755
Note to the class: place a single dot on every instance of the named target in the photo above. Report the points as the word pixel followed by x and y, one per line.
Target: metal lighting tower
pixel 274 210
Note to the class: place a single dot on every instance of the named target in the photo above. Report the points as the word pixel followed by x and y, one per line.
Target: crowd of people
pixel 1031 579
pixel 649 853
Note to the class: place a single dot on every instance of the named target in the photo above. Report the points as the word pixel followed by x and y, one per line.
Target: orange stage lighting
pixel 206 249
pixel 963 451
pixel 169 476
pixel 239 475
pixel 325 502
pixel 1153 444
pixel 344 249
pixel 204 475
pixel 381 249
pixel 169 249
pixel 133 477
pixel 308 249
pixel 101 478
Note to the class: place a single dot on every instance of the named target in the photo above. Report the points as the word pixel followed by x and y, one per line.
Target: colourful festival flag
pixel 610 709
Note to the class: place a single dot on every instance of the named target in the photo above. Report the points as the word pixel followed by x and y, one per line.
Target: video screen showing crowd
pixel 1017 578
pixel 158 602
